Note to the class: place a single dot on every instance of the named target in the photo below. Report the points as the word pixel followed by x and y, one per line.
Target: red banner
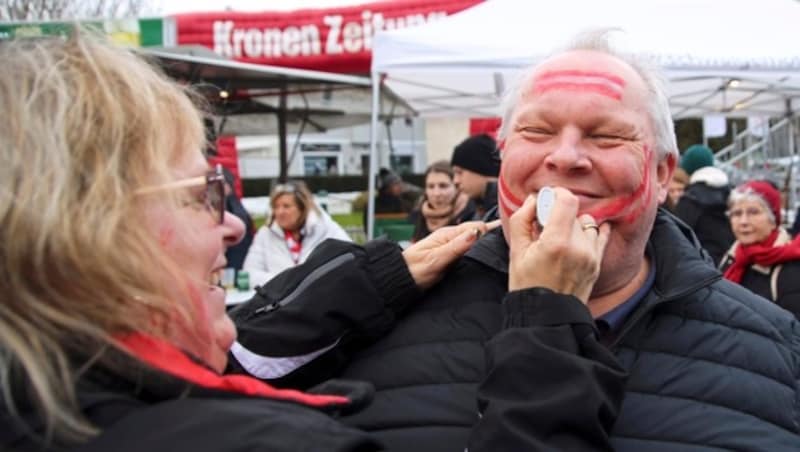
pixel 488 126
pixel 333 40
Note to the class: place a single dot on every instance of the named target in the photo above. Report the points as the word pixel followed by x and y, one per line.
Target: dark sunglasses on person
pixel 213 196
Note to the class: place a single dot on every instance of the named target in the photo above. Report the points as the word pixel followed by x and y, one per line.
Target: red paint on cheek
pixel 634 203
pixel 506 200
pixel 504 207
pixel 165 236
pixel 505 192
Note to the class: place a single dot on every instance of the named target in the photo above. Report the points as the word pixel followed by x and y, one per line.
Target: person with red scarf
pixel 764 258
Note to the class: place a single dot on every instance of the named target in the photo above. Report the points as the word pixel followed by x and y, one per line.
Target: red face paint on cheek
pixel 634 203
pixel 608 85
pixel 507 201
pixel 165 236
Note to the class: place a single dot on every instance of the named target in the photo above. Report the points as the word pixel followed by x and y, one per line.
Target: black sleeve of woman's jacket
pixel 302 326
pixel 550 384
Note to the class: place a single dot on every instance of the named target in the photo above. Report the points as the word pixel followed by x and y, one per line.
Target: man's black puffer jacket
pixel 711 366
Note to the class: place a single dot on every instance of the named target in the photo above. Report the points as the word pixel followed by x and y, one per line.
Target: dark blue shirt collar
pixel 614 318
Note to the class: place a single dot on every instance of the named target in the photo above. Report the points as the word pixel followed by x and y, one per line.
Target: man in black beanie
pixel 476 165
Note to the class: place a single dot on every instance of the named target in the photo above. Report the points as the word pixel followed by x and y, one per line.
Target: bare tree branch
pixel 29 10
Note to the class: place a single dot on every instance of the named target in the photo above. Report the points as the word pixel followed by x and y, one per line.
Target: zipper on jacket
pixel 312 277
pixel 267 308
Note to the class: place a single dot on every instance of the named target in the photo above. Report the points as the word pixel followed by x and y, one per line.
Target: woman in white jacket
pixel 296 226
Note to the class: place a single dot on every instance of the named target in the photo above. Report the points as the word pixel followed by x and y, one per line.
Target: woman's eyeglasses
pixel 213 196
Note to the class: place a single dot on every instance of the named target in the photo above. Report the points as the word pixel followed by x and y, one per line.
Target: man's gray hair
pixel 598 41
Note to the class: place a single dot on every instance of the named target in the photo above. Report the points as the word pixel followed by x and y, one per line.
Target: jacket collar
pixel 682 266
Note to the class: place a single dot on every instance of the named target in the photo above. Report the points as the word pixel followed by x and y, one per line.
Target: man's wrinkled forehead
pixel 583 71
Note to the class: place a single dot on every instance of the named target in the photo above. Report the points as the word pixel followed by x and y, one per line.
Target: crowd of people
pixel 611 326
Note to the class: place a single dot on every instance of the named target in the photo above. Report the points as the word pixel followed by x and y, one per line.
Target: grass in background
pixel 345 220
pixel 353 223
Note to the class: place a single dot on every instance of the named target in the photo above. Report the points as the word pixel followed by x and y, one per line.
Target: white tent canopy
pixel 460 65
pixel 731 57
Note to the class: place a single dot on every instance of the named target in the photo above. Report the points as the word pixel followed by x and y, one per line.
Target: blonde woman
pixel 113 330
pixel 295 228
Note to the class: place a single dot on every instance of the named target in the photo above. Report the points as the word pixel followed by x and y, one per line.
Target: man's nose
pixel 568 156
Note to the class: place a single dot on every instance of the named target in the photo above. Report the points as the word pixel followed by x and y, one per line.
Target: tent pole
pixel 283 176
pixel 373 155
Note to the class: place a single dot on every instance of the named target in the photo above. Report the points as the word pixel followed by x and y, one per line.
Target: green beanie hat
pixel 695 157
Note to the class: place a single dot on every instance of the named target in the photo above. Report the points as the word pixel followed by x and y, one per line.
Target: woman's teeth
pixel 215 279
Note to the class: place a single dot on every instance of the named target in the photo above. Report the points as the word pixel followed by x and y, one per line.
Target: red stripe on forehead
pixel 611 78
pixel 608 85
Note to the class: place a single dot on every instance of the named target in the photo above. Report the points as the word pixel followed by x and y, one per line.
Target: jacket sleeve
pixel 302 326
pixel 550 384
pixel 256 263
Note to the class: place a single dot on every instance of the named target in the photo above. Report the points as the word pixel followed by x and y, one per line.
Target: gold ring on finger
pixel 590 226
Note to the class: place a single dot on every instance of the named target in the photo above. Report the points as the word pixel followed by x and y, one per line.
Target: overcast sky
pixel 183 6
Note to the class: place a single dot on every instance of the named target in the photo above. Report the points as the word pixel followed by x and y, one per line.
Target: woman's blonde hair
pixel 85 125
pixel 300 193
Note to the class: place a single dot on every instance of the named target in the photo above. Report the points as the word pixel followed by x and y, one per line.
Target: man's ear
pixel 664 169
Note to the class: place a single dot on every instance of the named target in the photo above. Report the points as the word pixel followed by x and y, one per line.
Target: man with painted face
pixel 699 363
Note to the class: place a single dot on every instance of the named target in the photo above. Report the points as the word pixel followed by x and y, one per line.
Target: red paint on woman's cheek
pixel 165 236
pixel 635 203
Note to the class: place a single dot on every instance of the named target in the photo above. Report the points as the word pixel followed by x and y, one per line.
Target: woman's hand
pixel 564 256
pixel 429 258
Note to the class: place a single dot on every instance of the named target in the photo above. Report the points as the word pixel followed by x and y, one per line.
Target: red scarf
pixel 295 246
pixel 762 253
pixel 167 358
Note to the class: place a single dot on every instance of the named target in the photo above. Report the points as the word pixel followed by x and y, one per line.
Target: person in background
pixel 391 193
pixel 677 185
pixel 296 226
pixel 476 164
pixel 705 201
pixel 442 204
pixel 764 257
pixel 235 254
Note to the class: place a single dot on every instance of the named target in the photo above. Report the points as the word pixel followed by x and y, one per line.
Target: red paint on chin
pixel 634 203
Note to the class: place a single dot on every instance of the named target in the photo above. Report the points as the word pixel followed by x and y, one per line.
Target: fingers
pixel 493 224
pixel 564 212
pixel 521 224
pixel 428 258
pixel 603 234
